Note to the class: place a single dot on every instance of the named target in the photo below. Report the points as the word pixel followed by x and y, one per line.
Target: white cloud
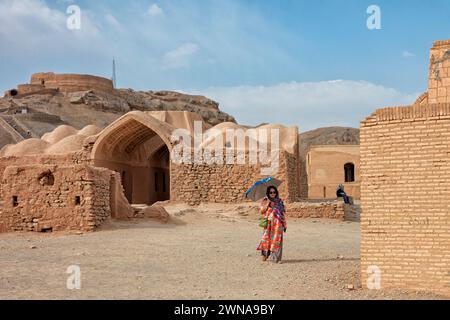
pixel 30 25
pixel 154 10
pixel 309 104
pixel 407 54
pixel 113 22
pixel 180 57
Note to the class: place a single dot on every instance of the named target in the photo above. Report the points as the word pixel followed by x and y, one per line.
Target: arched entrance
pixel 159 175
pixel 137 146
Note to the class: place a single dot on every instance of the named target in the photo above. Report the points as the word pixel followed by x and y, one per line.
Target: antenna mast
pixel 114 73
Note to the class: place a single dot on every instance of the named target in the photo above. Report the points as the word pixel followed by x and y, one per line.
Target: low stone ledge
pixel 328 209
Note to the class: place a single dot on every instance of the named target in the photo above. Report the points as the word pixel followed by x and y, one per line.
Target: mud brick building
pixel 331 165
pixel 405 188
pixel 76 179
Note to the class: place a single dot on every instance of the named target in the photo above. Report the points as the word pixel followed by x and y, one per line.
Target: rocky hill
pixel 328 136
pixel 32 115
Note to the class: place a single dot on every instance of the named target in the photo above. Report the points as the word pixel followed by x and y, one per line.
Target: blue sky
pixel 306 63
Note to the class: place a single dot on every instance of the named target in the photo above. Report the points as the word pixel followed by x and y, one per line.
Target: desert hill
pixel 34 114
pixel 328 136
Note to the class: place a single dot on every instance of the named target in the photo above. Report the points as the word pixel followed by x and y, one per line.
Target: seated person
pixel 340 193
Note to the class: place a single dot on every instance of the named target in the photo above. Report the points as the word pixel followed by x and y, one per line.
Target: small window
pixel 156 181
pixel 349 172
pixel 15 201
pixel 324 192
pixel 46 178
pixel 77 200
pixel 47 230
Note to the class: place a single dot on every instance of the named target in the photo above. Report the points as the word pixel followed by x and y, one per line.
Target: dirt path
pixel 207 253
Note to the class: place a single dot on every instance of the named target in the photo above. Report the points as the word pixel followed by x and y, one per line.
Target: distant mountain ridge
pixel 328 136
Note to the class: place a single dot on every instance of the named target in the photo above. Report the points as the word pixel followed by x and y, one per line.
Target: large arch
pixel 137 146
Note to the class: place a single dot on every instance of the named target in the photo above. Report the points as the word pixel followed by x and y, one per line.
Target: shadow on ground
pixel 319 260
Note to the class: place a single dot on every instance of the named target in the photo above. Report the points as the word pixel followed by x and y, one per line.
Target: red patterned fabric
pixel 272 239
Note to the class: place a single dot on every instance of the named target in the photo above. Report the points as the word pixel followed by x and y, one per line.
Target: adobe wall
pixel 325 170
pixel 72 82
pixel 227 183
pixel 439 73
pixel 39 197
pixel 405 196
pixel 66 159
pixel 27 88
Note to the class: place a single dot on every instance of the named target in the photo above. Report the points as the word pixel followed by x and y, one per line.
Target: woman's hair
pixel 268 191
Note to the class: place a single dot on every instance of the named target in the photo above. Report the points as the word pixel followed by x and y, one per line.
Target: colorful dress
pixel 272 240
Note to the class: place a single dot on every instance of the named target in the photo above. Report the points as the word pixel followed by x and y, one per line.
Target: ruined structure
pixel 331 165
pixel 405 189
pixel 77 179
pixel 50 100
pixel 51 82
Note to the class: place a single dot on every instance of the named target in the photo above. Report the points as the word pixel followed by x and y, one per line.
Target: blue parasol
pixel 258 190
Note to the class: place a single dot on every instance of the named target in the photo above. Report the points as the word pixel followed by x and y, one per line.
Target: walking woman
pixel 272 208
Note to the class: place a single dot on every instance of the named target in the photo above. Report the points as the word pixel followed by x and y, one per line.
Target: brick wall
pixel 330 210
pixel 439 73
pixel 405 196
pixel 197 183
pixel 39 197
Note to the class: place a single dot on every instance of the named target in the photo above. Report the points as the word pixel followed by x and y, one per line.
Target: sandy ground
pixel 206 253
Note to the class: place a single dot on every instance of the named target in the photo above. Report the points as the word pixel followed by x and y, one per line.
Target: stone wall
pixel 330 210
pixel 39 116
pixel 197 183
pixel 71 82
pixel 54 198
pixel 405 196
pixel 291 172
